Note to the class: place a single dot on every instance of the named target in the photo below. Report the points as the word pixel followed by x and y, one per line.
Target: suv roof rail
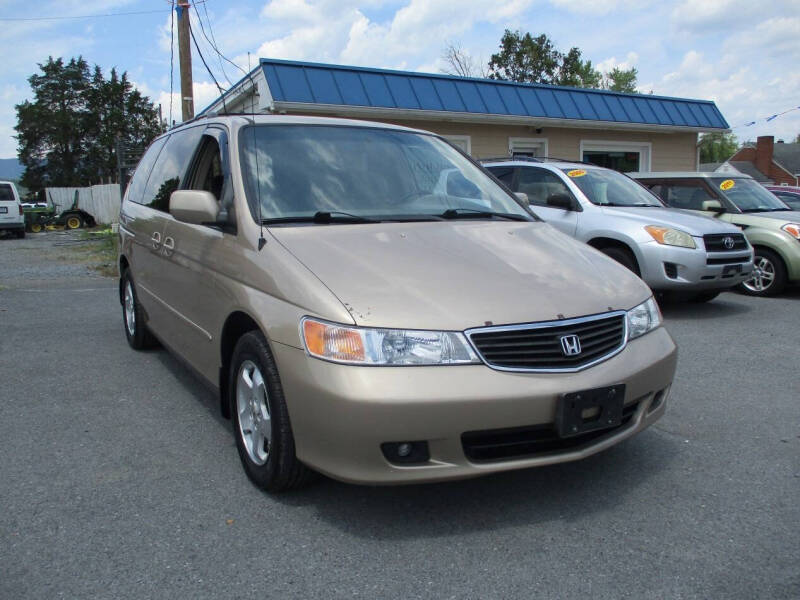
pixel 536 159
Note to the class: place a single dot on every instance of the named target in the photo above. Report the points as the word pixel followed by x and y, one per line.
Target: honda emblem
pixel 570 345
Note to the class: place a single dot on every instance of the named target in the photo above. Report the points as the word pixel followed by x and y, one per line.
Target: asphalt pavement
pixel 119 478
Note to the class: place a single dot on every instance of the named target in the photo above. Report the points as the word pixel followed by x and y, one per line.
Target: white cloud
pixel 595 7
pixel 604 66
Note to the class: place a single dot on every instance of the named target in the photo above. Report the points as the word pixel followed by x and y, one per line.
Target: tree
pixel 621 80
pixel 717 147
pixel 67 135
pixel 529 59
pixel 459 62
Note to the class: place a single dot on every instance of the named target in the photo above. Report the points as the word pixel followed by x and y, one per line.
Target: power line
pixel 210 42
pixel 205 64
pixel 65 18
pixel 216 49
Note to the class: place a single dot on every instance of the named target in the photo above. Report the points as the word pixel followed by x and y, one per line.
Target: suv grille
pixel 538 346
pixel 714 242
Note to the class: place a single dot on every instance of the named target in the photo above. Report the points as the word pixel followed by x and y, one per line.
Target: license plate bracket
pixel 589 410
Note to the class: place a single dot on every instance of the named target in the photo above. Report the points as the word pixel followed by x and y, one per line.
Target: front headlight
pixel 793 229
pixel 387 347
pixel 670 237
pixel 643 318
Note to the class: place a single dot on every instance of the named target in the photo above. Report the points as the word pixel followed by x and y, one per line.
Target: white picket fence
pixel 100 201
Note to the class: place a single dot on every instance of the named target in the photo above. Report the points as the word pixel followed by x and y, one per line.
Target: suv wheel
pixel 260 418
pixel 21 233
pixel 139 337
pixel 623 257
pixel 769 275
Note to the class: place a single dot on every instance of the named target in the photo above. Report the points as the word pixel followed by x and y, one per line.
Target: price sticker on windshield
pixel 727 185
pixel 576 173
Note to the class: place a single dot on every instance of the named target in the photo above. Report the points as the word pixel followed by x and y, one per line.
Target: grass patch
pixel 99 250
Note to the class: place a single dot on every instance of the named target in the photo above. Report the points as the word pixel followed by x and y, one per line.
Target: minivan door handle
pixel 169 246
pixel 156 239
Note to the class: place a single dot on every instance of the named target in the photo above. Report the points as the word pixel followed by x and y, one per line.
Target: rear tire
pixel 769 275
pixel 136 332
pixel 623 257
pixel 21 233
pixel 260 418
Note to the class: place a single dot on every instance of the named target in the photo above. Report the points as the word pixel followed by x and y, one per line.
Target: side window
pixel 140 175
pixel 208 175
pixel 6 193
pixel 170 167
pixel 504 174
pixel 689 196
pixel 539 185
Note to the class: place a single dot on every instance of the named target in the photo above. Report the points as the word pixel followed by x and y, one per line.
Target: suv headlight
pixel 793 229
pixel 643 318
pixel 387 347
pixel 670 237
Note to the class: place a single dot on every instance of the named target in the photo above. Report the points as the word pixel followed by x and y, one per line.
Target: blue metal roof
pixel 314 83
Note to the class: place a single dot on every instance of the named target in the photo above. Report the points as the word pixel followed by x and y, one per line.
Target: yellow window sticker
pixel 576 173
pixel 727 185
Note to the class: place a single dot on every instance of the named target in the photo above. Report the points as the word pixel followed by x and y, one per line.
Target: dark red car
pixel 789 194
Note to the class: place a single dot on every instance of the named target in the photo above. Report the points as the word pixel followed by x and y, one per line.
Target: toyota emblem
pixel 728 242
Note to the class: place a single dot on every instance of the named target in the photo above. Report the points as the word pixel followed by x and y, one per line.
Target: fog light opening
pixel 658 399
pixel 406 453
pixel 671 270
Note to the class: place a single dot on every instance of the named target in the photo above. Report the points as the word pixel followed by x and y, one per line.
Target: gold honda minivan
pixel 373 305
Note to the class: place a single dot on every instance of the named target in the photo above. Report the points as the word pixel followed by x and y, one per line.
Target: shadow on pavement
pixel 566 492
pixel 719 308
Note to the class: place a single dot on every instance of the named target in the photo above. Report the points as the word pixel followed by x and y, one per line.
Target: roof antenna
pixel 261 239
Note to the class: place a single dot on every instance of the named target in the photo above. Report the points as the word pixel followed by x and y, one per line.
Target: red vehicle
pixel 789 194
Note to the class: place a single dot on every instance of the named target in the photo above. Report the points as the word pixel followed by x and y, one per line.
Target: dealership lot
pixel 120 478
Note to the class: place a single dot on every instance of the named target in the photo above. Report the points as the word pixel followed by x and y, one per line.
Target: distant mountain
pixel 10 168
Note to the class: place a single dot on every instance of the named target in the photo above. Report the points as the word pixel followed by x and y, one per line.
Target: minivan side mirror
pixel 560 200
pixel 193 206
pixel 712 206
pixel 522 197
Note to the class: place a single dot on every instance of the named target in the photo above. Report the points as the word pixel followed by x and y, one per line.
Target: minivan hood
pixel 457 275
pixel 691 223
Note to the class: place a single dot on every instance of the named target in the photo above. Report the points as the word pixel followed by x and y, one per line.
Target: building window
pixel 460 141
pixel 527 146
pixel 620 156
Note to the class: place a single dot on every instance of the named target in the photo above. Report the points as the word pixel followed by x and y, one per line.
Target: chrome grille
pixel 538 347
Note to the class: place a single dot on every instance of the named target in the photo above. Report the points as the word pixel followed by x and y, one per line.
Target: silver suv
pixel 671 250
pixel 11 217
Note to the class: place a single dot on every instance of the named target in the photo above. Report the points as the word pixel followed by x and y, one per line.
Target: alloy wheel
pixel 763 275
pixel 130 309
pixel 252 404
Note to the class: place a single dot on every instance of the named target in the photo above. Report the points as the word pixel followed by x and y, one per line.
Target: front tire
pixel 623 257
pixel 136 332
pixel 769 275
pixel 260 418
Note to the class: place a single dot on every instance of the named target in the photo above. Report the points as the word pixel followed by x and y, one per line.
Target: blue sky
pixel 742 54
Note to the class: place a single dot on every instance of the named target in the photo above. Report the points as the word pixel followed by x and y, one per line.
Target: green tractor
pixel 39 217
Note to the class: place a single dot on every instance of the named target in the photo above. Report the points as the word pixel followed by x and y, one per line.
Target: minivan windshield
pixel 364 174
pixel 605 187
pixel 748 195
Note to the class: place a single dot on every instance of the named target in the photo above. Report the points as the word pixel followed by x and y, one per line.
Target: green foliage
pixel 529 59
pixel 621 80
pixel 68 134
pixel 717 147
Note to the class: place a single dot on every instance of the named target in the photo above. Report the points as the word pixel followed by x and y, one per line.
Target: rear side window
pixel 6 193
pixel 170 167
pixel 139 179
pixel 539 185
pixel 504 174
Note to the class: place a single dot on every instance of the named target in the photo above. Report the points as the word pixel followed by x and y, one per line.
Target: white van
pixel 11 216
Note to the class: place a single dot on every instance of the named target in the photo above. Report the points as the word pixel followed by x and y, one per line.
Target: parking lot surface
pixel 119 478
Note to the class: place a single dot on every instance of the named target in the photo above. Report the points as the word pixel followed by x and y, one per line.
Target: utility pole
pixel 185 59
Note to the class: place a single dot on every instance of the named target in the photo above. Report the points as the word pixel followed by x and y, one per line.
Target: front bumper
pixel 342 414
pixel 693 269
pixel 12 224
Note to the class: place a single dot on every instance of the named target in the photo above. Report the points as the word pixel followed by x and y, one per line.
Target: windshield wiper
pixel 321 217
pixel 457 213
